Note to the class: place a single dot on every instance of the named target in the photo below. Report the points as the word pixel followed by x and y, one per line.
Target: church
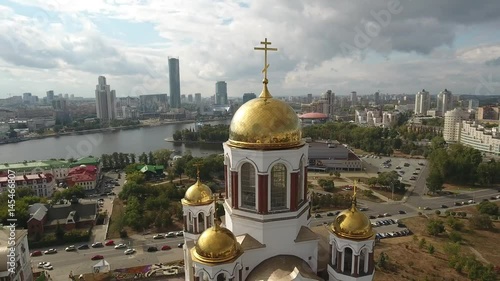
pixel 265 233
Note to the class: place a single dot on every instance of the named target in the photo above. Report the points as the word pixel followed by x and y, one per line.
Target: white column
pixel 205 222
pixel 367 254
pixel 352 263
pixel 334 254
pixel 342 262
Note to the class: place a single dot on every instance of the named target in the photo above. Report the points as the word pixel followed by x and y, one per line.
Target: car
pixel 166 247
pixel 471 201
pixel 179 233
pixel 317 215
pixel 421 164
pixel 97 245
pixel 427 208
pixel 497 197
pixel 50 251
pixel 110 243
pixel 111 193
pixel 170 235
pixel 180 245
pixel 97 257
pixel 387 215
pixel 36 253
pixel 363 209
pixel 129 251
pixel 48 267
pixel 152 249
pixel 43 263
pixel 402 212
pixel 70 248
pixel 121 246
pixel 398 167
pixel 413 178
pixel 415 173
pixel 406 164
pixel 158 236
pixel 444 206
pixel 372 217
pixel 380 216
pixel 83 247
pixel 418 169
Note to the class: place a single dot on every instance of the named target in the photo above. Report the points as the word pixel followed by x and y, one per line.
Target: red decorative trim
pixel 305 183
pixel 263 194
pixel 294 185
pixel 234 186
pixel 225 182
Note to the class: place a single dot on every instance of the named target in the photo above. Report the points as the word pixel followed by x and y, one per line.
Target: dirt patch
pixel 115 222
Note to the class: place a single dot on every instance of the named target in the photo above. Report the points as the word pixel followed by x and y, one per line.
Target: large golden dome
pixel 265 123
pixel 352 224
pixel 217 244
pixel 198 194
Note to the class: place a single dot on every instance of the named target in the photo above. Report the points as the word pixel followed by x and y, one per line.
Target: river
pixel 127 141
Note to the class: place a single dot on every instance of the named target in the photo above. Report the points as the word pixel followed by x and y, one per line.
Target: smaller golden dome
pixel 216 245
pixel 352 224
pixel 198 194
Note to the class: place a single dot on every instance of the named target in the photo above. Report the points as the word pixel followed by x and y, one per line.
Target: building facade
pixel 43 185
pixel 480 138
pixel 174 82
pixel 105 100
pixel 422 102
pixel 248 96
pixel 453 125
pixel 15 260
pixel 153 103
pixel 85 176
pixel 221 93
pixel 58 168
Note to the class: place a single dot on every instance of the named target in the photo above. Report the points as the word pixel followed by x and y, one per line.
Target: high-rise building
pixel 446 101
pixel 328 102
pixel 376 98
pixel 197 98
pixel 175 82
pixel 453 125
pixel 309 98
pixel 27 98
pixel 221 93
pixel 153 103
pixel 105 100
pixel 422 102
pixel 354 98
pixel 190 98
pixel 50 96
pixel 248 96
pixel 66 96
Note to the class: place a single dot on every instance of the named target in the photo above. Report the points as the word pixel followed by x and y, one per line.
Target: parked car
pixel 458 204
pixel 387 215
pixel 152 249
pixel 179 233
pixel 97 245
pixel 158 236
pixel 50 251
pixel 402 212
pixel 166 247
pixel 180 245
pixel 43 263
pixel 363 209
pixel 170 235
pixel 471 201
pixel 97 257
pixel 427 208
pixel 36 253
pixel 329 214
pixel 70 248
pixel 83 247
pixel 129 251
pixel 317 215
pixel 372 217
pixel 444 206
pixel 121 246
pixel 110 243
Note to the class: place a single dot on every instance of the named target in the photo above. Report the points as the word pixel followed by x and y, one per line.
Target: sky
pixel 366 46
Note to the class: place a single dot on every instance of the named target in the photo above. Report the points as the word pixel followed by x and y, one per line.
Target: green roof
pixel 46 164
pixel 86 161
pixel 150 168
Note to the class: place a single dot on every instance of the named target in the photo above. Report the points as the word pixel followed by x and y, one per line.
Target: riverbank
pixel 193 142
pixel 100 130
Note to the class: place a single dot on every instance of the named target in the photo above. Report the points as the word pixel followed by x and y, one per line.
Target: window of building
pixel 247 186
pixel 278 187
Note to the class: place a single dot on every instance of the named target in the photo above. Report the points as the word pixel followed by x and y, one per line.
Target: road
pixel 80 261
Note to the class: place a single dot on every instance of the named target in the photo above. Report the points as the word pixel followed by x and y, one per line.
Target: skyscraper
pixel 354 98
pixel 197 98
pixel 105 100
pixel 248 96
pixel 175 82
pixel 50 96
pixel 190 98
pixel 422 102
pixel 446 101
pixel 221 93
pixel 376 98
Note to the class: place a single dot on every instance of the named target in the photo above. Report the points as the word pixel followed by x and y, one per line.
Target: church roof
pixel 248 242
pixel 283 268
pixel 305 234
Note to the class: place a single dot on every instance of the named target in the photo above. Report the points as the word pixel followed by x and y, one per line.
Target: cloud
pixel 215 40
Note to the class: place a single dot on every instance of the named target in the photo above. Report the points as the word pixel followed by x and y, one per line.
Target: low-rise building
pixel 42 184
pixel 85 176
pixel 480 138
pixel 77 215
pixel 15 261
pixel 332 156
pixel 58 168
pixel 151 171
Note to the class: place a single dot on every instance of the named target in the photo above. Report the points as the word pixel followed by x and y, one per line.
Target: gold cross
pixel 265 49
pixel 198 165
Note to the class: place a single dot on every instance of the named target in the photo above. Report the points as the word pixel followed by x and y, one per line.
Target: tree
pixel 143 158
pixel 162 157
pixel 488 208
pixel 455 236
pixel 481 221
pixel 59 231
pixel 422 243
pixel 337 174
pixel 383 261
pixel 151 158
pixel 132 158
pixel 136 177
pixel 435 227
pixel 454 223
pixel 431 249
pixel 435 181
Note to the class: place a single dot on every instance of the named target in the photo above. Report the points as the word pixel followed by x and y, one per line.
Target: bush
pixel 422 243
pixel 431 249
pixel 435 227
pixel 447 213
pixel 488 208
pixel 453 213
pixel 482 221
pixel 438 212
pixel 455 224
pixel 455 236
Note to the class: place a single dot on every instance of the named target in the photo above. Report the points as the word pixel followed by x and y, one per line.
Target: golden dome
pixel 198 194
pixel 217 244
pixel 352 224
pixel 265 123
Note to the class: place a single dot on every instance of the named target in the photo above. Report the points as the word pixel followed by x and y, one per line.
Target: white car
pixel 120 246
pixel 50 251
pixel 129 251
pixel 70 248
pixel 170 234
pixel 43 263
pixel 48 267
pixel 471 202
pixel 179 233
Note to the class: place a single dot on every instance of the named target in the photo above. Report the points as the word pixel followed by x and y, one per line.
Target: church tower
pixel 352 242
pixel 198 212
pixel 266 180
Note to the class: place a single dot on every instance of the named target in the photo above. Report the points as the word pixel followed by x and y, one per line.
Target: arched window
pixel 248 186
pixel 221 277
pixel 362 261
pixel 347 260
pixel 278 187
pixel 300 191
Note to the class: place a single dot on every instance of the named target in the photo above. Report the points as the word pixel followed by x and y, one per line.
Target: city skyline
pixel 391 46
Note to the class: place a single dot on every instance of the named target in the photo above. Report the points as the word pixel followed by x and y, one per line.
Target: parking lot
pixel 408 169
pixel 388 228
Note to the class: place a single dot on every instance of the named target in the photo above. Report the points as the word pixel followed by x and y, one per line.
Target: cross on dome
pixel 265 92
